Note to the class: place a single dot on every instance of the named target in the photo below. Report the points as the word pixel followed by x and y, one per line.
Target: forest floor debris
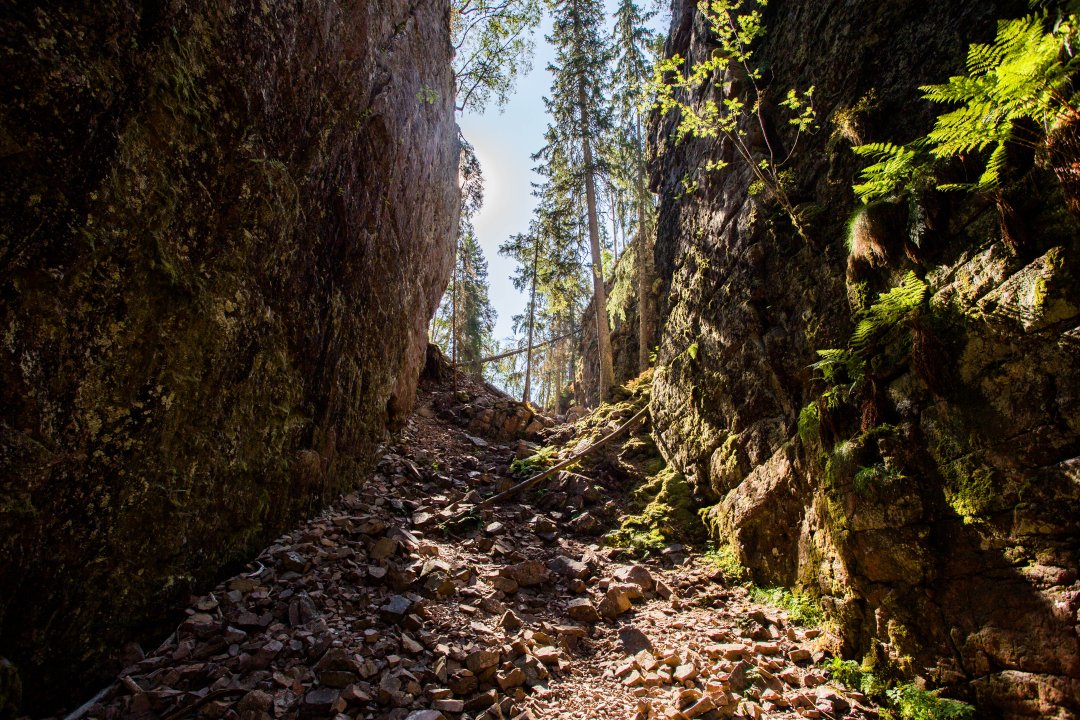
pixel 372 611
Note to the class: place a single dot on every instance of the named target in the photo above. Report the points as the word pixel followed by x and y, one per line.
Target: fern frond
pixel 995 166
pixel 898 167
pixel 878 150
pixel 890 309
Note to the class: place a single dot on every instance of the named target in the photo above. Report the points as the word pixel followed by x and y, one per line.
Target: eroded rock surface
pixel 224 228
pixel 939 515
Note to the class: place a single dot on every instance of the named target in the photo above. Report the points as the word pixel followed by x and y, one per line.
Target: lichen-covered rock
pixel 224 226
pixel 940 515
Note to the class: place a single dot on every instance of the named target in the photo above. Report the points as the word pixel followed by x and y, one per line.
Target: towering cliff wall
pixel 223 226
pixel 938 512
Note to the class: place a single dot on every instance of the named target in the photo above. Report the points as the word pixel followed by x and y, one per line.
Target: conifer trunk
pixel 603 331
pixel 532 321
pixel 644 267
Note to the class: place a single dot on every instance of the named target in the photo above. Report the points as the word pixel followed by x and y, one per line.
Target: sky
pixel 504 139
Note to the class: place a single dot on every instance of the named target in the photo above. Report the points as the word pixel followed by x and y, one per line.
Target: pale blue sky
pixel 504 141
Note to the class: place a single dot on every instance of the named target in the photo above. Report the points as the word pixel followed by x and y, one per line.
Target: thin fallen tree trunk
pixel 537 479
pixel 517 351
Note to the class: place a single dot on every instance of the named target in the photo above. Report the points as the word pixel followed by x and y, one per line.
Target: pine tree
pixel 465 319
pixel 580 115
pixel 549 271
pixel 633 50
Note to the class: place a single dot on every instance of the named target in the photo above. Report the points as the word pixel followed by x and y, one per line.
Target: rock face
pixel 224 228
pixel 938 511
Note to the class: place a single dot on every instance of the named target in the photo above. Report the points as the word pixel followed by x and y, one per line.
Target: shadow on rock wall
pixel 224 226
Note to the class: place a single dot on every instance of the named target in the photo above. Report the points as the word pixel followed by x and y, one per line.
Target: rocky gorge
pixel 224 229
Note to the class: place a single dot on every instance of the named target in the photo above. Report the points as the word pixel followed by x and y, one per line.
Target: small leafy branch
pixel 427 95
pixel 1022 80
pixel 674 85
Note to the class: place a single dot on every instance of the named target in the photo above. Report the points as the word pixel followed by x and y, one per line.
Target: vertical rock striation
pixel 940 519
pixel 223 227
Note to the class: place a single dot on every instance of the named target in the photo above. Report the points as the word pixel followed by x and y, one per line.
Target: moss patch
pixel 669 515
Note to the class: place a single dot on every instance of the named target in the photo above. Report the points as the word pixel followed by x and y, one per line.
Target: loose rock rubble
pixel 372 611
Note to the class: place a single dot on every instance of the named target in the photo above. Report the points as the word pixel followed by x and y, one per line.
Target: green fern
pixel 890 309
pixel 831 362
pixel 1025 74
pixel 896 168
pixel 810 423
pixel 916 704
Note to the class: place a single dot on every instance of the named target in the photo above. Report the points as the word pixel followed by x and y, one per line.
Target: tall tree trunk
pixel 614 227
pixel 532 320
pixel 644 265
pixel 454 317
pixel 574 340
pixel 603 331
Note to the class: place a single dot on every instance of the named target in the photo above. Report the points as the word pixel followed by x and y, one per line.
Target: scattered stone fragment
pixel 586 524
pixel 382 549
pixel 449 705
pixel 664 590
pixel 510 621
pixel 548 655
pixel 425 715
pixel 799 655
pixel 685 673
pixel 515 677
pixel 480 660
pixel 616 601
pixel 582 610
pixel 702 706
pixel 322 701
pixel 396 609
pixel 527 574
pixel 505 584
pixel 568 567
pixel 636 575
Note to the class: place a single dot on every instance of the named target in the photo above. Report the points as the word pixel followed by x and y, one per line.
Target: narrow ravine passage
pixel 373 611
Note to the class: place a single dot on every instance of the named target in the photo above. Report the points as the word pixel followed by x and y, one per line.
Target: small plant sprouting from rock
pixel 892 310
pixel 856 676
pixel 726 560
pixel 427 95
pixel 734 118
pixel 539 461
pixel 801 608
pixel 913 703
pixel 907 700
pixel 667 516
